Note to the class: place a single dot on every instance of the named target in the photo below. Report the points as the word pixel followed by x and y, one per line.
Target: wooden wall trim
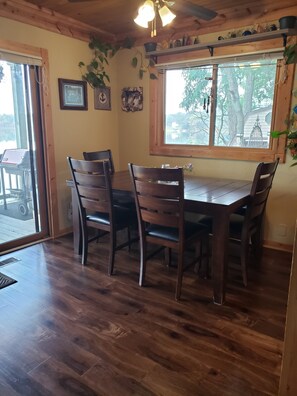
pixel 49 152
pixel 288 382
pixel 44 18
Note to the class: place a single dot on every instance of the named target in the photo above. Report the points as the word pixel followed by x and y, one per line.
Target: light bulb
pixel 166 15
pixel 141 21
pixel 147 11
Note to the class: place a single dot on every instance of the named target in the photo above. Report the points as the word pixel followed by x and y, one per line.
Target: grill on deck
pixel 16 179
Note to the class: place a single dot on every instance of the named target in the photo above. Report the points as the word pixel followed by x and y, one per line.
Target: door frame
pixel 47 128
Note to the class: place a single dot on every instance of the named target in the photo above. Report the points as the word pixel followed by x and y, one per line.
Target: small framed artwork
pixel 132 99
pixel 73 94
pixel 102 100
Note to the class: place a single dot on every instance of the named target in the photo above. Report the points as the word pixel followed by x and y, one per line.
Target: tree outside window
pixel 224 105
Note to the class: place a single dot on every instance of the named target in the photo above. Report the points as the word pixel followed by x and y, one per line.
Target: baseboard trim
pixel 278 246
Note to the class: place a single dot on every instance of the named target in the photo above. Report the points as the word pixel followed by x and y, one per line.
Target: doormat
pixel 6 281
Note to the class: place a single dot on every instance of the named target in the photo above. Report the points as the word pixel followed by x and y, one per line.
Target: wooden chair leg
pixel 85 242
pixel 180 269
pixel 257 244
pixel 168 256
pixel 112 246
pixel 142 262
pixel 244 252
pixel 129 238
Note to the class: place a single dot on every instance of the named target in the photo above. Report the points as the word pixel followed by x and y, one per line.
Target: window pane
pixel 244 104
pixel 187 106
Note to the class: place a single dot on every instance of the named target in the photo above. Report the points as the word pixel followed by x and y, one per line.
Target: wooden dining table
pixel 215 197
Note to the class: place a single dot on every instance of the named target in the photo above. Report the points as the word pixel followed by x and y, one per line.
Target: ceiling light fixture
pixel 148 11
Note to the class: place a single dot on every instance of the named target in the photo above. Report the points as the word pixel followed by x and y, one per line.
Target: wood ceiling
pixel 113 19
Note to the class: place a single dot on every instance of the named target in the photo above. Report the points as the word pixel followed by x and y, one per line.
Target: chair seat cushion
pixel 123 216
pixel 235 225
pixel 122 198
pixel 236 222
pixel 171 233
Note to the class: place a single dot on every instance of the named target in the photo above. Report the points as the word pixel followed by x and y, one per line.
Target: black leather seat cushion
pixel 171 233
pixel 122 215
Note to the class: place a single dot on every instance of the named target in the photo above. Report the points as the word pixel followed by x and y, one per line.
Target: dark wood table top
pixel 209 191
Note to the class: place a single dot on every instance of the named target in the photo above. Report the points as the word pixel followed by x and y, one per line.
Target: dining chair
pixel 159 197
pixel 120 198
pixel 92 184
pixel 102 155
pixel 246 225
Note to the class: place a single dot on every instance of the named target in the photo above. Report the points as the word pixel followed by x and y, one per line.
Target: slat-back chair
pixel 159 196
pixel 246 225
pixel 102 155
pixel 92 184
pixel 120 198
pixel 249 227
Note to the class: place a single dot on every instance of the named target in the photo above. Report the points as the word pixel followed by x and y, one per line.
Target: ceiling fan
pixel 185 7
pixel 189 8
pixel 148 11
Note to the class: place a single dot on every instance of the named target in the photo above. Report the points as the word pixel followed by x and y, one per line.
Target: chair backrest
pixel 159 196
pixel 92 185
pixel 260 190
pixel 103 155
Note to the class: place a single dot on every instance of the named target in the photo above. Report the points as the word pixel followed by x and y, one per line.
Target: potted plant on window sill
pixel 291 133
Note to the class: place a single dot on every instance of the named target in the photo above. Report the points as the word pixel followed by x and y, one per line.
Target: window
pixel 221 110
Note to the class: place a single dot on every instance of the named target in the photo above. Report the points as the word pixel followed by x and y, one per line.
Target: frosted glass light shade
pixel 166 15
pixel 141 21
pixel 147 11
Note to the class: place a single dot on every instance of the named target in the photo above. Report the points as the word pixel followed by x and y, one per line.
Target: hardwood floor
pixel 12 229
pixel 72 330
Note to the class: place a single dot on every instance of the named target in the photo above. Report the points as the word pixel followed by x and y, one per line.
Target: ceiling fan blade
pixel 80 1
pixel 196 10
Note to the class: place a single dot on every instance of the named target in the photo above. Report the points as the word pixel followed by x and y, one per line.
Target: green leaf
pixel 276 134
pixel 134 61
pixel 128 43
pixel 152 62
pixel 81 64
pixel 153 76
pixel 94 64
pixel 290 54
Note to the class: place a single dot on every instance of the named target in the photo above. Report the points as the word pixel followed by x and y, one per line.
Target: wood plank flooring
pixel 11 229
pixel 66 329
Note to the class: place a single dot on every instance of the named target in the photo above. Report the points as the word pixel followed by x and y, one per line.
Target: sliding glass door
pixel 23 214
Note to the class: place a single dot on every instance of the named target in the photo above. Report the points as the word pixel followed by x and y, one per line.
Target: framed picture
pixel 73 94
pixel 132 99
pixel 102 100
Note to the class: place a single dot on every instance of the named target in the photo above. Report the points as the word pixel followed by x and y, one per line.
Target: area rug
pixel 6 280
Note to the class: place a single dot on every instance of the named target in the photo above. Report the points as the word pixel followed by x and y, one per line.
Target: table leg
pixel 75 223
pixel 220 256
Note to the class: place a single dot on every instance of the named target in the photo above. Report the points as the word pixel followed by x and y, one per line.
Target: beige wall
pixel 74 131
pixel 127 134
